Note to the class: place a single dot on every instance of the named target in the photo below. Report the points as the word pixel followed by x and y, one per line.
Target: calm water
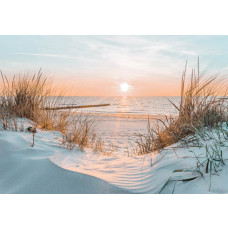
pixel 126 105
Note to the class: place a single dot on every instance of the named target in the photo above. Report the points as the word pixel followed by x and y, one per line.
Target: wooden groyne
pixel 75 107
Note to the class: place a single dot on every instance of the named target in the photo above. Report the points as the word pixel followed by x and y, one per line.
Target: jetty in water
pixel 75 106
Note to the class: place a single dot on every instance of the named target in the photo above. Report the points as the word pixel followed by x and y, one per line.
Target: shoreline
pixel 122 115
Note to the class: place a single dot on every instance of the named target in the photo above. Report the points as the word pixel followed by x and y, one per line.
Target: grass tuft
pixel 201 105
pixel 30 96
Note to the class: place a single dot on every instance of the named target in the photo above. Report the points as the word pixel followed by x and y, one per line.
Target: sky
pixel 99 65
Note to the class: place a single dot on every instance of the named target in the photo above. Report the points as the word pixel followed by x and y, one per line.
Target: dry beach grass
pixel 202 104
pixel 32 97
pixel 201 126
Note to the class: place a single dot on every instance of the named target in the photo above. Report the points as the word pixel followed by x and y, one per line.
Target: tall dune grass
pixel 202 104
pixel 24 95
pixel 28 96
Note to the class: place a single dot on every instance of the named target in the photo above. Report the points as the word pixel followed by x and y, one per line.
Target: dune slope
pixel 29 170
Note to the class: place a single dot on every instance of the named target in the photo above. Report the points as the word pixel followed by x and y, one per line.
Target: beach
pixel 48 167
pixel 119 134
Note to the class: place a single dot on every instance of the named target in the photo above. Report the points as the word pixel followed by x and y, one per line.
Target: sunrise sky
pixel 99 65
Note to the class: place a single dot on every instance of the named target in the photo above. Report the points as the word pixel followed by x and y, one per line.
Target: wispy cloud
pixel 46 55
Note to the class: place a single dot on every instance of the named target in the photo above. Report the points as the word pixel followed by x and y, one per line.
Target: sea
pixel 126 106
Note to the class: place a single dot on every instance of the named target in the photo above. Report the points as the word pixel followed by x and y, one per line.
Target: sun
pixel 124 87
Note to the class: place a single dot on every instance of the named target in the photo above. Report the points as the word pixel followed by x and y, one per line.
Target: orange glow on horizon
pixel 111 87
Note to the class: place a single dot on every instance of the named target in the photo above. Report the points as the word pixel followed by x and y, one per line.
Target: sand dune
pixel 29 170
pixel 49 168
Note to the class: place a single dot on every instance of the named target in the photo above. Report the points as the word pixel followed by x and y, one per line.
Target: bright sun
pixel 124 87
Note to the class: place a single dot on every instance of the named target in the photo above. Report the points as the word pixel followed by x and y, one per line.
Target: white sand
pixel 50 168
pixel 120 133
pixel 30 170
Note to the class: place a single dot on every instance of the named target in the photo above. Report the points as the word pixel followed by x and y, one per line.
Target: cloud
pixel 45 55
pixel 119 56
